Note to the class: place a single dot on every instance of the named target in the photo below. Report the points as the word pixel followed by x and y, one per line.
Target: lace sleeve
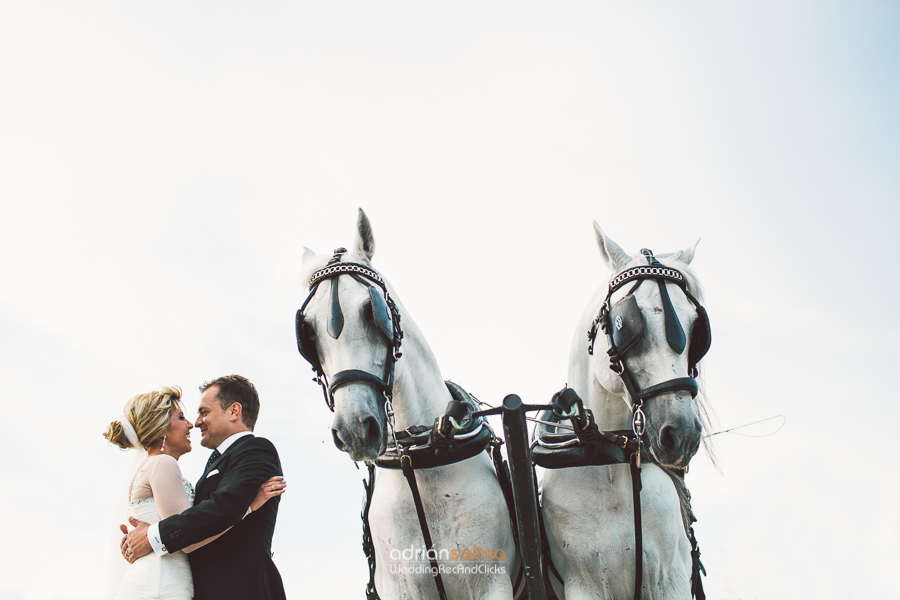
pixel 167 485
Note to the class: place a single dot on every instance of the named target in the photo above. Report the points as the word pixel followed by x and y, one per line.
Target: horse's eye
pixel 368 313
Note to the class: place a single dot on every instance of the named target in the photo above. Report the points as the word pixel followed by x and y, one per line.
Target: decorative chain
pixel 644 273
pixel 341 268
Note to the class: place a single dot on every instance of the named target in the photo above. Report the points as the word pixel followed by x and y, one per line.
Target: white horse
pixel 463 502
pixel 588 511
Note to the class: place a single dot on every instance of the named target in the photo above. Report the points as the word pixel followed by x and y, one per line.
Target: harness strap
pixel 638 530
pixel 367 544
pixel 696 568
pixel 549 567
pixel 410 474
pixel 503 477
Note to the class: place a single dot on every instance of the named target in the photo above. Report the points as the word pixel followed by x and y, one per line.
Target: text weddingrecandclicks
pixel 443 568
pixel 457 561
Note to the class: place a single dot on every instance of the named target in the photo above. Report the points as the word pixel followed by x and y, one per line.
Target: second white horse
pixel 588 511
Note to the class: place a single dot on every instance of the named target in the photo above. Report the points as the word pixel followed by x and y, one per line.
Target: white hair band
pixel 130 433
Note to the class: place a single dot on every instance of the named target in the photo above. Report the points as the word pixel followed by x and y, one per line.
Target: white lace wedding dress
pixel 158 492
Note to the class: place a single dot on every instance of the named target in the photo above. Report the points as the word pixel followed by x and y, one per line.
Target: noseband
pixel 385 315
pixel 623 325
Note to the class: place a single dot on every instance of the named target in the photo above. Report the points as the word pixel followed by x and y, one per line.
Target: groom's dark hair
pixel 234 388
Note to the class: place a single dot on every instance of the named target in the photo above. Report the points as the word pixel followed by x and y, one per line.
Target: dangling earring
pixel 163 449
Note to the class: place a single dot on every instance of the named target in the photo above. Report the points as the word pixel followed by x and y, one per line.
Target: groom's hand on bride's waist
pixel 135 543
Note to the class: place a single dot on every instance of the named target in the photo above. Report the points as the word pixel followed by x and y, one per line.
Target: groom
pixel 238 565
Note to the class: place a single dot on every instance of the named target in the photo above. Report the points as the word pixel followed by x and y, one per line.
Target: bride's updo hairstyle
pixel 149 414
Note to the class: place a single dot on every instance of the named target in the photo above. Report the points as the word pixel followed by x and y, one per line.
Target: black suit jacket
pixel 238 565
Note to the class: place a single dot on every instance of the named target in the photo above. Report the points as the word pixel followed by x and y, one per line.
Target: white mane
pixel 312 262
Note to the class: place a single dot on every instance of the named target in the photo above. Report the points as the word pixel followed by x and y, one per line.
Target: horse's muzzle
pixel 363 441
pixel 674 437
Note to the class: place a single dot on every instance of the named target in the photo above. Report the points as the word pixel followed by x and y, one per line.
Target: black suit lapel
pixel 218 461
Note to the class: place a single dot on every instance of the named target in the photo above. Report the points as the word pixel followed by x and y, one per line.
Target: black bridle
pixel 385 314
pixel 623 325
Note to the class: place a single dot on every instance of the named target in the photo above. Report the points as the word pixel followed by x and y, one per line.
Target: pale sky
pixel 165 163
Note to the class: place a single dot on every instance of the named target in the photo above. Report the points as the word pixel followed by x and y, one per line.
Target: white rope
pixel 783 421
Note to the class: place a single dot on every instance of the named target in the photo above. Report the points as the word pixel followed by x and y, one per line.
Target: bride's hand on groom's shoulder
pixel 269 489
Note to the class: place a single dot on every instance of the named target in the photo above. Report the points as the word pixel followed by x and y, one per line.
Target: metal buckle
pixel 637 426
pixel 638 421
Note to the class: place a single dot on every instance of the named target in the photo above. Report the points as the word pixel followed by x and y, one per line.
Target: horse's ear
pixel 614 257
pixel 686 255
pixel 365 240
pixel 307 254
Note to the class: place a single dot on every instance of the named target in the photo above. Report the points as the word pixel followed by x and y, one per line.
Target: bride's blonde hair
pixel 149 414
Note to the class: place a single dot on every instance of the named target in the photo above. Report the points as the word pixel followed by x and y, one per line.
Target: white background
pixel 162 165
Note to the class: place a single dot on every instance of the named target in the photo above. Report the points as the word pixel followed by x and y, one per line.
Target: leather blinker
pixel 701 338
pixel 627 323
pixel 306 342
pixel 381 313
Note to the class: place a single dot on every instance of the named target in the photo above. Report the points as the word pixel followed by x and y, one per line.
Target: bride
pixel 154 424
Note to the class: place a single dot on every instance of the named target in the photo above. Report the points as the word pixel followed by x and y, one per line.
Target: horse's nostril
pixel 337 439
pixel 670 438
pixel 373 431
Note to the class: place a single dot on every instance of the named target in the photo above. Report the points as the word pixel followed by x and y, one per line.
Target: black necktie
pixel 212 458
